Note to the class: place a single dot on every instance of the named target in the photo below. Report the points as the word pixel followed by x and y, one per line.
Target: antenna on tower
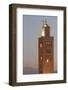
pixel 45 21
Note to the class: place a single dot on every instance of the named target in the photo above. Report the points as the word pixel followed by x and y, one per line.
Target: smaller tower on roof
pixel 45 29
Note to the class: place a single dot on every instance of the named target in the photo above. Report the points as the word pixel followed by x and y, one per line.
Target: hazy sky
pixel 32 31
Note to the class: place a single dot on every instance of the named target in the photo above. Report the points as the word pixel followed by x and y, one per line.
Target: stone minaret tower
pixel 46 50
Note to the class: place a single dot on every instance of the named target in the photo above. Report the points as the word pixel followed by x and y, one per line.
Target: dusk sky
pixel 32 31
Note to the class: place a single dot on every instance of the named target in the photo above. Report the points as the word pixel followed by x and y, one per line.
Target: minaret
pixel 46 50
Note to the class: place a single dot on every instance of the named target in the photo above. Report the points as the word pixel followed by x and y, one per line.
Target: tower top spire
pixel 45 23
pixel 45 29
